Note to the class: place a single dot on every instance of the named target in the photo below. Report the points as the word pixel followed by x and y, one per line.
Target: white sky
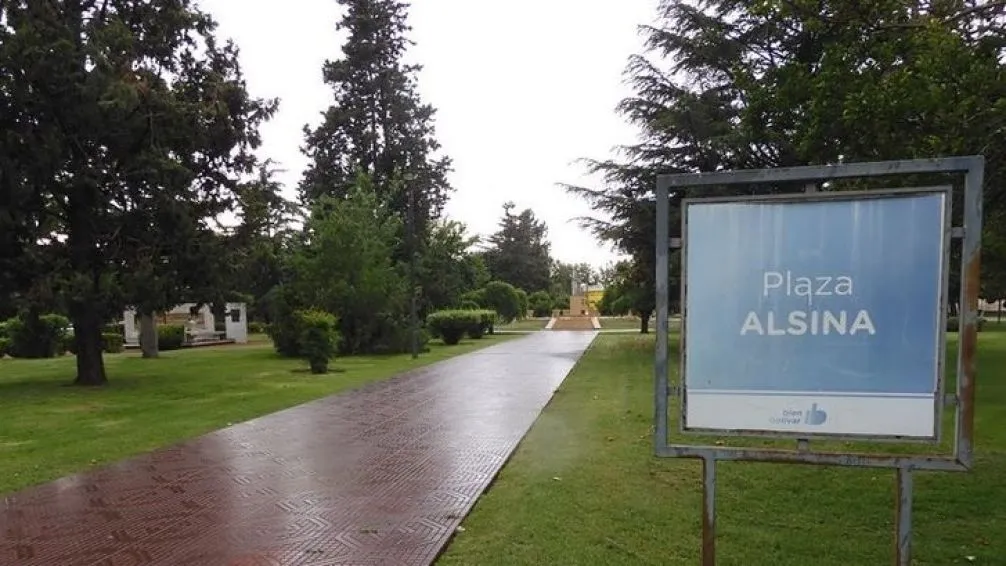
pixel 522 89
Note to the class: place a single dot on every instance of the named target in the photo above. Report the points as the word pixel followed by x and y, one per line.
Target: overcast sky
pixel 522 89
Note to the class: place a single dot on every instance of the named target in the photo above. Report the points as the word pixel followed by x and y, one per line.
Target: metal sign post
pixel 819 315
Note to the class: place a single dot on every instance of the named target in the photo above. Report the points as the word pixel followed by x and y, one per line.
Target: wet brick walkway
pixel 381 475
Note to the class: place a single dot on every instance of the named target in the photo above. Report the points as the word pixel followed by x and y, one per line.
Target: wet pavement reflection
pixel 380 475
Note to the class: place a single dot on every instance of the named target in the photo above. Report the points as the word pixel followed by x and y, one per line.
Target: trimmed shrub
pixel 44 337
pixel 503 298
pixel 485 325
pixel 476 297
pixel 393 335
pixel 318 338
pixel 469 306
pixel 954 324
pixel 541 303
pixel 451 325
pixel 476 331
pixel 523 304
pixel 113 343
pixel 170 337
pixel 256 327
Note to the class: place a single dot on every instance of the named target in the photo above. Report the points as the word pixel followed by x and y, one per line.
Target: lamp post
pixel 411 227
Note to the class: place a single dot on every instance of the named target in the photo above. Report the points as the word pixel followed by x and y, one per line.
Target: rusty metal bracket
pixel 962 399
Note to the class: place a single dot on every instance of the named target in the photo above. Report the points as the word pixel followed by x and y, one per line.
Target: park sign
pixel 818 314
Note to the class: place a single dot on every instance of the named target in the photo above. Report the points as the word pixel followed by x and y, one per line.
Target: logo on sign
pixel 814 416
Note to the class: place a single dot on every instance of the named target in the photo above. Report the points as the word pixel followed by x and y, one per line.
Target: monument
pixel 200 324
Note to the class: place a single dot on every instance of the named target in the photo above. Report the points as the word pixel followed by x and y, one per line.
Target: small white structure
pixel 200 327
pixel 237 322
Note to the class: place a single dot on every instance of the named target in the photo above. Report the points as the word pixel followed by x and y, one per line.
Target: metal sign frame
pixel 817 197
pixel 962 399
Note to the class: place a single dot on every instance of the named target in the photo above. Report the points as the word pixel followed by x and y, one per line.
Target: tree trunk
pixel 148 336
pixel 90 363
pixel 644 322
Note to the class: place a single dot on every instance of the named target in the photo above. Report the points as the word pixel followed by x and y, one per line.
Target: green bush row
pixel 43 337
pixel 49 336
pixel 113 343
pixel 170 337
pixel 452 325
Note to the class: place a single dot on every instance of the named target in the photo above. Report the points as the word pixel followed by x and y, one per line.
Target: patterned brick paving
pixel 381 475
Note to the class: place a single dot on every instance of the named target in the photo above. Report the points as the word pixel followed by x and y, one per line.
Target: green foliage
pixel 377 123
pixel 563 275
pixel 486 325
pixel 540 302
pixel 954 324
pixel 614 302
pixel 257 247
pixel 475 296
pixel 37 337
pixel 503 298
pixel 284 330
pixel 113 343
pixel 469 305
pixel 112 172
pixel 447 270
pixel 451 325
pixel 734 85
pixel 519 251
pixel 346 269
pixel 170 337
pixel 4 346
pixel 318 338
pixel 523 304
pixel 256 327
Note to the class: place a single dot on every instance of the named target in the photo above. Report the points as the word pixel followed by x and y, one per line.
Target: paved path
pixel 381 475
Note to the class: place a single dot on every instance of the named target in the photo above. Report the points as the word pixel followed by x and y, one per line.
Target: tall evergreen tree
pixel 377 124
pixel 518 252
pixel 124 121
pixel 728 84
pixel 259 243
pixel 448 268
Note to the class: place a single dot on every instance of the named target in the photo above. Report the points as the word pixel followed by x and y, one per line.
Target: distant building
pixel 585 299
pixel 594 295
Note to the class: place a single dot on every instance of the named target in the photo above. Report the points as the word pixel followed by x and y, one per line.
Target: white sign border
pixel 946 191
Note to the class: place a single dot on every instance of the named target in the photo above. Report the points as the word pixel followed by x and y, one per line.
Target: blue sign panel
pixel 815 316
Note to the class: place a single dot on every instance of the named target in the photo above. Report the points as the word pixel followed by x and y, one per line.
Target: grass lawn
pixel 48 431
pixel 632 323
pixel 621 323
pixel 526 325
pixel 583 488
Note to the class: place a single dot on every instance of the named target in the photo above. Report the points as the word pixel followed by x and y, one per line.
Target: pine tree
pixel 518 252
pixel 731 84
pixel 377 124
pixel 126 125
